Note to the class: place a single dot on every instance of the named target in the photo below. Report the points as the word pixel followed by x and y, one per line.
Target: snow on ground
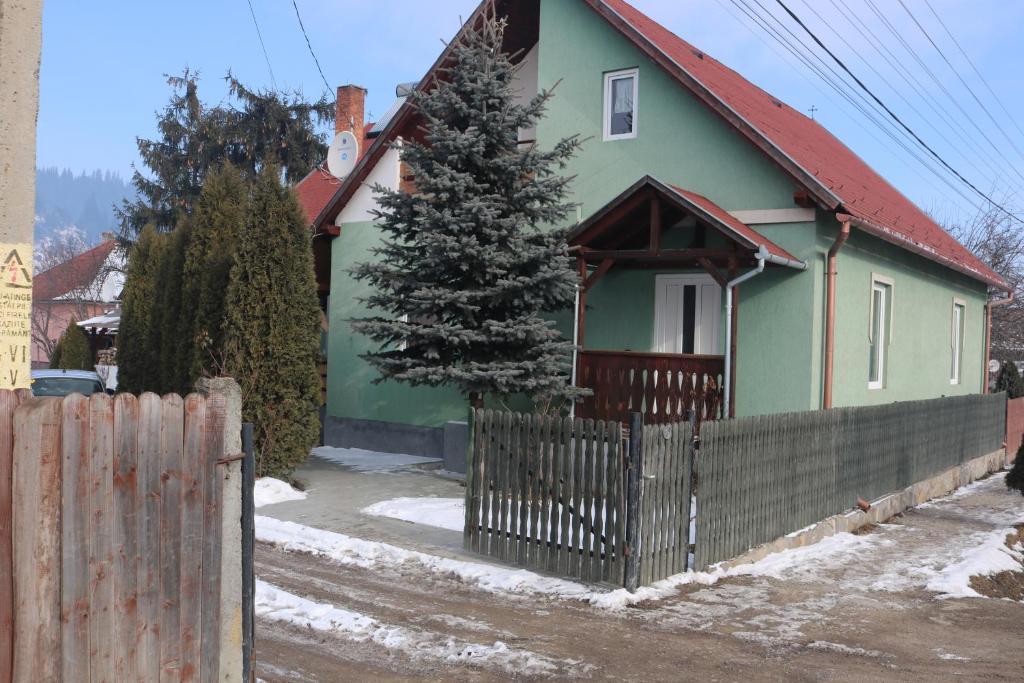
pixel 445 513
pixel 990 555
pixel 361 460
pixel 269 491
pixel 275 604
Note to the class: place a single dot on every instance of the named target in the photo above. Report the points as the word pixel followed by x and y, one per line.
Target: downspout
pixel 575 345
pixel 992 303
pixel 830 312
pixel 762 257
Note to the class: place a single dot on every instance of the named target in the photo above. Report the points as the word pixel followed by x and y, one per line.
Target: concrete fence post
pixel 231 552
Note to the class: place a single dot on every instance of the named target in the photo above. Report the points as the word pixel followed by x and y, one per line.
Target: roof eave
pixel 893 237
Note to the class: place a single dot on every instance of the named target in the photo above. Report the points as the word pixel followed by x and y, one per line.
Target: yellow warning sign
pixel 15 316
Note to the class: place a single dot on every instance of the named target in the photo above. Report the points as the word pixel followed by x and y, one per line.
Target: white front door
pixel 687 314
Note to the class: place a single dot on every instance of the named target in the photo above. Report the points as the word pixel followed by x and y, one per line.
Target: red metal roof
pixel 75 273
pixel 727 220
pixel 799 144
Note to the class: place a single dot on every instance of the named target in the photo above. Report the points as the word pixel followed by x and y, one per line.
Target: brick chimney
pixel 350 110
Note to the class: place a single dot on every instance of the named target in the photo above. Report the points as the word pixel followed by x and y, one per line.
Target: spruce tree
pixel 473 257
pixel 136 354
pixel 75 353
pixel 272 328
pixel 220 214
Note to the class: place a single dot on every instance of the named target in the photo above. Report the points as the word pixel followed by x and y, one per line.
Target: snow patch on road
pixel 269 491
pixel 444 513
pixel 826 646
pixel 275 604
pixel 988 555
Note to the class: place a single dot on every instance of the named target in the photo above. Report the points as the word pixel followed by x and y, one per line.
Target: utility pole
pixel 20 46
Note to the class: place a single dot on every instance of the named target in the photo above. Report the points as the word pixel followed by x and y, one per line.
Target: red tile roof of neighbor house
pixel 75 273
pixel 799 144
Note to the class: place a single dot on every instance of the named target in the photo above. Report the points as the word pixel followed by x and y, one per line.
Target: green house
pixel 735 257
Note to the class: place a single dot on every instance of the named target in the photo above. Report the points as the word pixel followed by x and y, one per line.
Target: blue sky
pixel 103 62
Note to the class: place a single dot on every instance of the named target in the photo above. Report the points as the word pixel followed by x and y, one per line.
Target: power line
pixel 892 114
pixel 961 78
pixel 310 46
pixel 837 83
pixel 975 68
pixel 262 45
pixel 855 120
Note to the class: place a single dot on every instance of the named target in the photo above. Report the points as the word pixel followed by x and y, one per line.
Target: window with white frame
pixel 620 99
pixel 879 331
pixel 957 340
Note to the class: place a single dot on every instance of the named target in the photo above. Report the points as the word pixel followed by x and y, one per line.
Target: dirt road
pixel 859 614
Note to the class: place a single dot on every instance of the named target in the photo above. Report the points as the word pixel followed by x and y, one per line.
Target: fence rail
pixel 760 478
pixel 117 537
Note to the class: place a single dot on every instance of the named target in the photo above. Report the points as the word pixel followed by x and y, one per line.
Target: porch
pixel 673 350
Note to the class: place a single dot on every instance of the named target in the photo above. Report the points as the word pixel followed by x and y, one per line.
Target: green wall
pixel 919 352
pixel 350 389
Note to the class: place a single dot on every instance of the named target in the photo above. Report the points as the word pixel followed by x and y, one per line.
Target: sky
pixel 103 66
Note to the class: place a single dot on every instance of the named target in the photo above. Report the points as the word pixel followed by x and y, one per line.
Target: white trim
pixel 956 339
pixel 606 119
pixel 761 216
pixel 708 293
pixel 883 285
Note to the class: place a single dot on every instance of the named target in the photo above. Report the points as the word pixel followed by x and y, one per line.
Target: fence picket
pixel 126 550
pixel 101 554
pixel 9 401
pixel 75 531
pixel 213 452
pixel 171 426
pixel 564 494
pixel 148 524
pixel 192 487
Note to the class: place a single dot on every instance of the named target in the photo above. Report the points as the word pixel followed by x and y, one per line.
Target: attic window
pixel 620 104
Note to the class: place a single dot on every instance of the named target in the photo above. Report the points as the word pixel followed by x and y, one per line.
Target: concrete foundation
pixel 448 443
pixel 882 509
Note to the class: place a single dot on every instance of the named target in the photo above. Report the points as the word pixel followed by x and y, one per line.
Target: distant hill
pixel 84 201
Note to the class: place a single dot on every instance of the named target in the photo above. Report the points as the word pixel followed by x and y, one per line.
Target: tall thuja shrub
pixel 220 214
pixel 75 353
pixel 136 355
pixel 472 258
pixel 173 345
pixel 272 328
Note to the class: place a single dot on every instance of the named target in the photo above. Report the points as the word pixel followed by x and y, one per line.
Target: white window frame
pixel 956 339
pixel 886 286
pixel 633 73
pixel 712 317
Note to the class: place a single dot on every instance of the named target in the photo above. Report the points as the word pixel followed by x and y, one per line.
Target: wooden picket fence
pixel 576 498
pixel 116 545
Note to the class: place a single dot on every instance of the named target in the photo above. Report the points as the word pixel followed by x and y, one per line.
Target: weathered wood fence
pixel 760 478
pixel 116 545
pixel 573 497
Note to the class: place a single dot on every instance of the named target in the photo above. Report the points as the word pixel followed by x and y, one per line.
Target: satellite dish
pixel 993 366
pixel 342 155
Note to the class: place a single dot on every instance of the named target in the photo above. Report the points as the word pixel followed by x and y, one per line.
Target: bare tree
pixel 998 240
pixel 82 295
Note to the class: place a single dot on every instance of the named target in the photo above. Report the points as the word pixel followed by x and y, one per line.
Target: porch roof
pixel 610 218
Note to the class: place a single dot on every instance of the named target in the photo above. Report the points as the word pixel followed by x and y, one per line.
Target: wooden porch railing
pixel 662 386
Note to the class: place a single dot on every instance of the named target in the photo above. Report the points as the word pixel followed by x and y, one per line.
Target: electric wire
pixel 262 45
pixel 310 46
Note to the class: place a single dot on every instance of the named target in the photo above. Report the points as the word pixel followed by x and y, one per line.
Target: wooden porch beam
pixel 592 279
pixel 707 265
pixel 602 224
pixel 663 256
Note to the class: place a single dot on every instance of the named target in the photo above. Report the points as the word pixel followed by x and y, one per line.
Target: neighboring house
pixel 80 288
pixel 691 178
